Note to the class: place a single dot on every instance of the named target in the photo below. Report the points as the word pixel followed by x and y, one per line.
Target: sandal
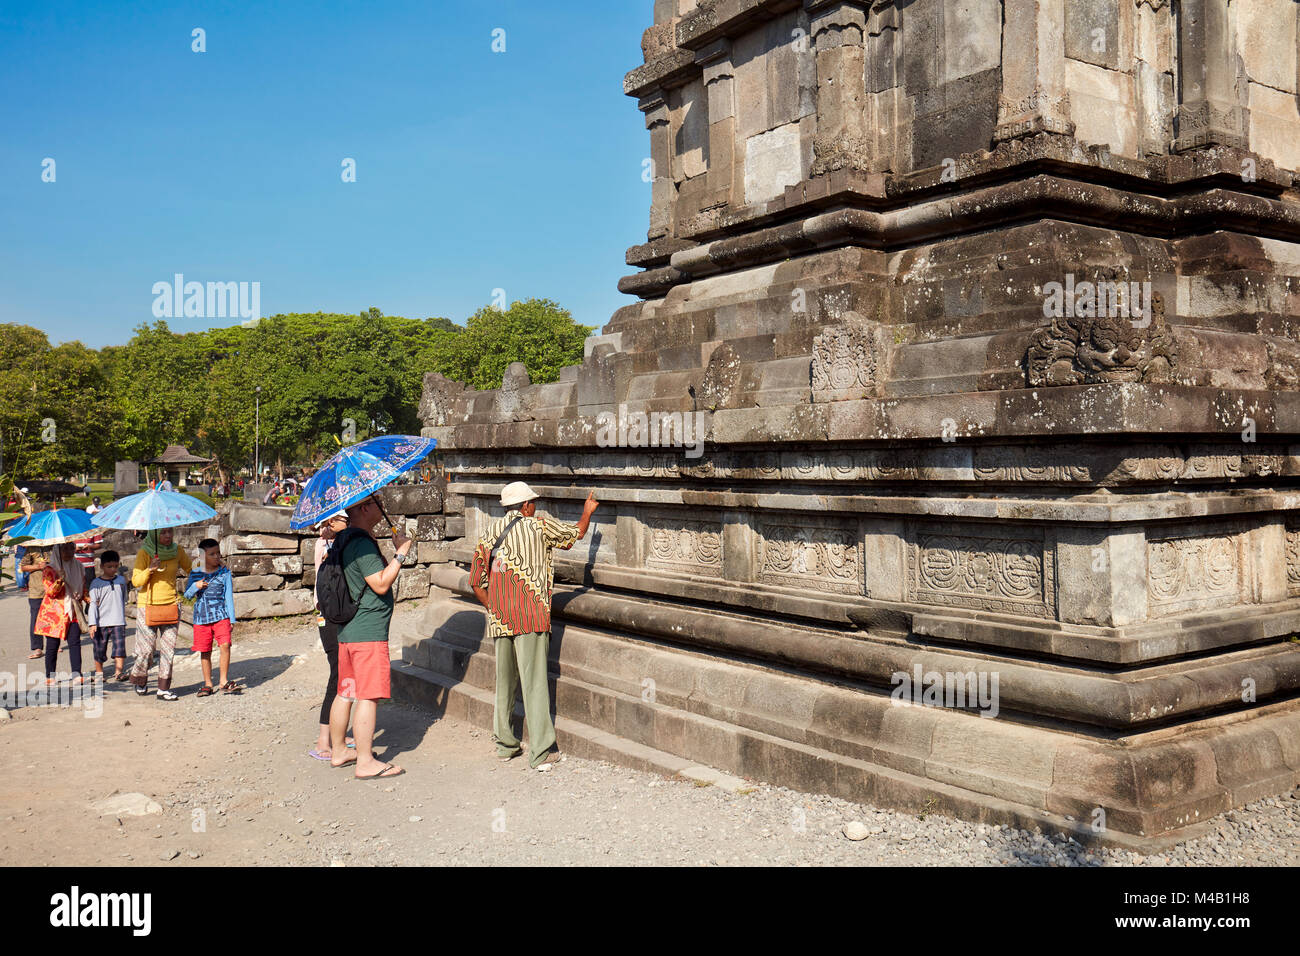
pixel 346 763
pixel 207 690
pixel 384 773
pixel 319 754
pixel 35 655
pixel 549 762
pixel 230 687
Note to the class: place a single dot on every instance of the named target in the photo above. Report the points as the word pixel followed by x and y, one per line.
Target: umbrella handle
pixel 391 527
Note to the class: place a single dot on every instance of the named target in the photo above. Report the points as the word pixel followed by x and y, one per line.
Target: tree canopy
pixel 319 374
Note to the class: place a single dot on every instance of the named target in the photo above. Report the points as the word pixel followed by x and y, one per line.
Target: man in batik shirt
pixel 512 577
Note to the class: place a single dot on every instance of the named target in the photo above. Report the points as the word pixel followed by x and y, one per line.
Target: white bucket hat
pixel 516 493
pixel 340 513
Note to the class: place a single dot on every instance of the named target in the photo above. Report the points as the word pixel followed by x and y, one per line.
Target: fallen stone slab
pixel 430 528
pixel 245 517
pixel 258 582
pixel 282 564
pixel 411 499
pixel 260 604
pixel 707 776
pixel 278 543
pixel 412 583
pixel 126 805
pixel 432 552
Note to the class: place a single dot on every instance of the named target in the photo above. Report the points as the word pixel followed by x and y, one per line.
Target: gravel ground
pixel 233 785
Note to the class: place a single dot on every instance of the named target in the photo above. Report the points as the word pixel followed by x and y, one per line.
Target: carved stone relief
pixel 1188 571
pixel 1085 350
pixel 683 546
pixel 1009 570
pixel 850 360
pixel 1293 558
pixel 720 387
pixel 820 557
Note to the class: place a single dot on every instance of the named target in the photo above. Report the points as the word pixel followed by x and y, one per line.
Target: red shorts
pixel 364 670
pixel 205 633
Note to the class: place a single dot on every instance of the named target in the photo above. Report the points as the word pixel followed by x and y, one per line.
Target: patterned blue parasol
pixel 357 472
pixel 153 509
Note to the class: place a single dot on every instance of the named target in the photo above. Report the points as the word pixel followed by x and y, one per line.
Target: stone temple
pixel 989 312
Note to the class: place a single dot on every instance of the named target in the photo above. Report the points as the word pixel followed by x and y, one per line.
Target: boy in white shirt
pixel 107 615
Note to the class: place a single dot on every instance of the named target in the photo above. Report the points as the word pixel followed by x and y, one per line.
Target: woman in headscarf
pixel 61 616
pixel 158 612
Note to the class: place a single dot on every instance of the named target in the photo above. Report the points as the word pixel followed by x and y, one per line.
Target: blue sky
pixel 475 170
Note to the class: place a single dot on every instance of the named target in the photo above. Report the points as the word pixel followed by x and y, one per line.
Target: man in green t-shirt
pixel 364 677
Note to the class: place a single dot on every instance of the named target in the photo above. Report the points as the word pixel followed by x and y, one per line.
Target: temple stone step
pixel 1140 699
pixel 471 704
pixel 765 723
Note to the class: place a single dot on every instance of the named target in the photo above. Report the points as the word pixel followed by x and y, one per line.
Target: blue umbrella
pixel 153 509
pixel 355 473
pixel 14 529
pixel 55 526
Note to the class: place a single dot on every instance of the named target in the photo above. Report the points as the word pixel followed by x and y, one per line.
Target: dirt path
pixel 234 786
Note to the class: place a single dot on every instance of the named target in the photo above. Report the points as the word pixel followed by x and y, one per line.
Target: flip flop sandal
pixel 206 691
pixel 346 763
pixel 317 755
pixel 383 774
pixel 230 687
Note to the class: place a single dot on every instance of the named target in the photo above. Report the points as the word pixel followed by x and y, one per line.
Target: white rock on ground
pixel 126 805
pixel 856 830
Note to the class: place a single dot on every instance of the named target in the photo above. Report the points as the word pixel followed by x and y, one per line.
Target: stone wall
pixel 273 566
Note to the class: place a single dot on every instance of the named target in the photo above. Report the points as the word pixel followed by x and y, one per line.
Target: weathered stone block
pixel 255 518
pixel 258 582
pixel 281 564
pixel 1092 32
pixel 432 552
pixel 972 34
pixel 259 543
pixel 412 583
pixel 773 161
pixel 412 499
pixel 1267 42
pixel 262 604
pixel 430 528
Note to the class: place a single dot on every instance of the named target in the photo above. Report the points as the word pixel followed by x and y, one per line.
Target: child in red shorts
pixel 213 590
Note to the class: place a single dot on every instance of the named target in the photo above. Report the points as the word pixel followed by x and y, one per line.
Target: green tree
pixel 56 409
pixel 536 332
pixel 158 384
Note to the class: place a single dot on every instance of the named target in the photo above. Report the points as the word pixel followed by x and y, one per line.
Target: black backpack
pixel 333 596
